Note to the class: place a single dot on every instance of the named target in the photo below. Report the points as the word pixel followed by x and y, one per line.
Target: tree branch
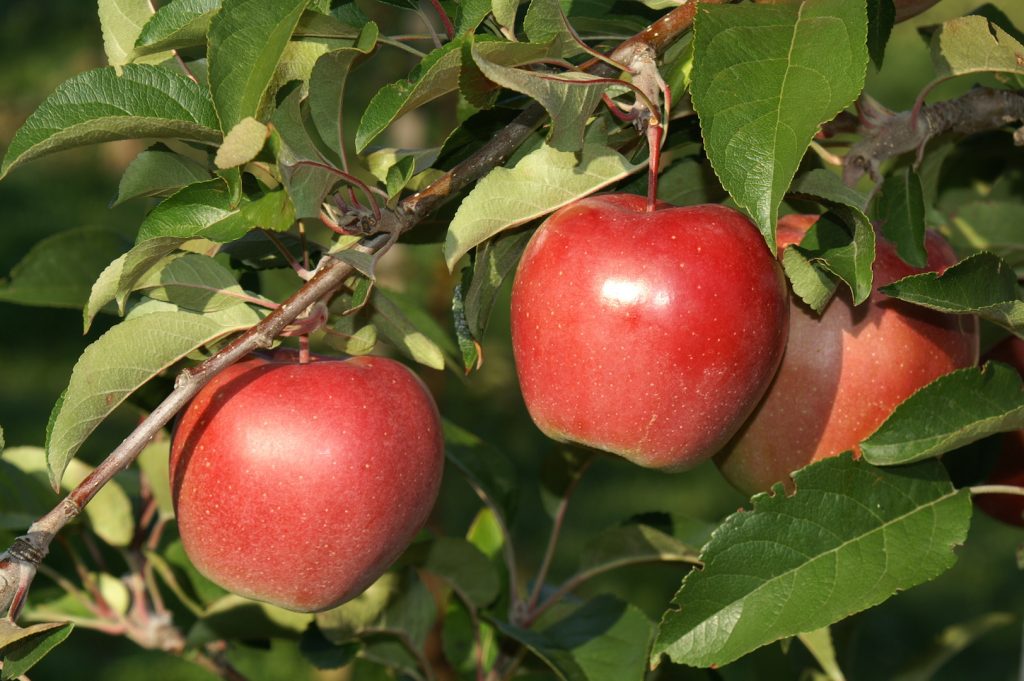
pixel 18 564
pixel 887 133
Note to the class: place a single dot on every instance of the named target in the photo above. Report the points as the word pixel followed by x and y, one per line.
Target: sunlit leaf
pixel 901 210
pixel 604 640
pixel 951 411
pixel 121 22
pixel 154 173
pixel 100 106
pixel 23 648
pixel 540 183
pixel 981 284
pixel 850 537
pixel 764 78
pixel 177 24
pixel 246 41
pixel 120 361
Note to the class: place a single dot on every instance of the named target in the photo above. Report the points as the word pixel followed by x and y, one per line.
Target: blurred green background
pixel 42 44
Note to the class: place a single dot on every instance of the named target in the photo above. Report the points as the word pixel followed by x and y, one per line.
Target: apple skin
pixel 1009 465
pixel 299 484
pixel 844 372
pixel 650 335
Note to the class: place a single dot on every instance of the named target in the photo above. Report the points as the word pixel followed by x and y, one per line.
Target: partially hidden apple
pixel 299 484
pixel 845 371
pixel 1009 463
pixel 650 335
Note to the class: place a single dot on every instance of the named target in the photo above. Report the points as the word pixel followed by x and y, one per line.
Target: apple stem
pixel 304 349
pixel 654 136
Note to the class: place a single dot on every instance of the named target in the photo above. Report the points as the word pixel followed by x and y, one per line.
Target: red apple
pixel 1009 465
pixel 299 484
pixel 650 335
pixel 845 371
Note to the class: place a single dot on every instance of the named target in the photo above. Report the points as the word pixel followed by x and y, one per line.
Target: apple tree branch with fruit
pixel 717 253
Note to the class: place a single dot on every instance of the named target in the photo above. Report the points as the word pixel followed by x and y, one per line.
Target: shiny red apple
pixel 1009 465
pixel 299 484
pixel 650 335
pixel 844 372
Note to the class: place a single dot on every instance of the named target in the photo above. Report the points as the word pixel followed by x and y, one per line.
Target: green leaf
pixel 206 210
pixel 981 284
pixel 469 347
pixel 849 538
pixel 178 24
pixel 843 241
pixel 764 78
pixel 118 279
pixel 242 143
pixel 24 497
pixel 23 648
pixel 544 20
pixel 235 617
pixel 953 640
pixel 412 339
pixel 470 15
pixel 881 18
pixel 193 282
pixel 686 182
pixel 604 640
pixel 991 225
pixel 322 653
pixel 488 470
pixel 951 411
pixel 187 212
pixel 327 86
pixel 100 106
pixel 633 543
pixel 810 283
pixel 901 210
pixel 399 176
pixel 436 75
pixel 560 473
pixel 120 361
pixel 60 269
pixel 465 568
pixel 467 641
pixel 543 181
pixel 973 44
pixel 343 623
pixel 569 98
pixel 246 41
pixel 154 173
pixel 153 462
pixel 819 644
pixel 307 185
pixel 110 511
pixel 121 22
pixel 505 12
pixel 412 610
pixel 830 246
